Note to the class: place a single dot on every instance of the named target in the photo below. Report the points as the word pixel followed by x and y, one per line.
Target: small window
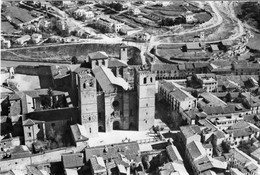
pixel 29 134
pixel 97 62
pixel 151 79
pixel 89 130
pixel 89 118
pixel 145 80
pixel 84 85
pixel 39 126
pixel 29 127
pixel 146 104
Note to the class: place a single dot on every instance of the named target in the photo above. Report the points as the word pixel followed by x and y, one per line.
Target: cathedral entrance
pixel 116 125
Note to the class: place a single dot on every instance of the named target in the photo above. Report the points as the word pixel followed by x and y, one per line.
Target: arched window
pixel 145 80
pixel 151 79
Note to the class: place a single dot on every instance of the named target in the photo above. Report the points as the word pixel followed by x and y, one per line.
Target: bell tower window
pixel 145 80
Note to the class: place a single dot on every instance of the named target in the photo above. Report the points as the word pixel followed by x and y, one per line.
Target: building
pixel 23 40
pixel 207 99
pixel 256 155
pixel 116 157
pixel 243 162
pixel 83 14
pixel 36 38
pixel 98 166
pixel 72 161
pixel 179 99
pixel 109 25
pixel 190 133
pixel 33 130
pixel 190 17
pixel 207 81
pixel 200 161
pixel 79 134
pixel 135 11
pixel 113 95
pixel 242 68
pixel 241 131
pixel 165 71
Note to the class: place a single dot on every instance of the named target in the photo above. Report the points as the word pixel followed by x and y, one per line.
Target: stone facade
pixel 88 102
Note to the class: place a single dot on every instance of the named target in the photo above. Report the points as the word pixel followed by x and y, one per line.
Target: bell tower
pixel 123 52
pixel 145 84
pixel 88 102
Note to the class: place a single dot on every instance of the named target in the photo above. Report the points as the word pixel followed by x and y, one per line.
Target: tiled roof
pixel 107 79
pixel 164 67
pixel 98 55
pixel 19 15
pixel 190 130
pixel 130 150
pixel 196 150
pixel 113 62
pixel 98 164
pixel 173 153
pixel 194 45
pixel 30 122
pixel 73 160
pixel 79 132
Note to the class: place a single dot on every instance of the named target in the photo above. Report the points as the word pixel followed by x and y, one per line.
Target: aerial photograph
pixel 130 87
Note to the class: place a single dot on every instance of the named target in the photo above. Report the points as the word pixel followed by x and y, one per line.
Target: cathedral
pixel 113 95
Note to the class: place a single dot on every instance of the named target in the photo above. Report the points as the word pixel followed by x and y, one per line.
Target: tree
pixel 229 97
pixel 74 60
pixel 226 146
pixel 145 162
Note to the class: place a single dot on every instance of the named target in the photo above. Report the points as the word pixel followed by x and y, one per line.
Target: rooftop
pixel 190 130
pixel 98 55
pixel 173 153
pixel 73 160
pixel 114 151
pixel 79 132
pixel 196 150
pixel 193 46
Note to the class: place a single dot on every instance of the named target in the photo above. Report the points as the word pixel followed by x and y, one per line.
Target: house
pixel 116 157
pixel 200 161
pixel 72 161
pixel 209 100
pixel 206 81
pixel 190 133
pixel 179 99
pixel 98 166
pixel 109 25
pixel 172 168
pixel 135 11
pixel 33 130
pixel 195 46
pixel 22 40
pixel 83 14
pixel 36 38
pixel 241 68
pixel 165 71
pixel 256 155
pixel 189 16
pixel 241 131
pixel 243 162
pixel 214 48
pixel 39 169
pixel 5 44
pixel 9 142
pixel 79 134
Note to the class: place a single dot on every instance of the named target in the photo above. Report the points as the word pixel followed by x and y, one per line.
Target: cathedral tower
pixel 88 102
pixel 145 84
